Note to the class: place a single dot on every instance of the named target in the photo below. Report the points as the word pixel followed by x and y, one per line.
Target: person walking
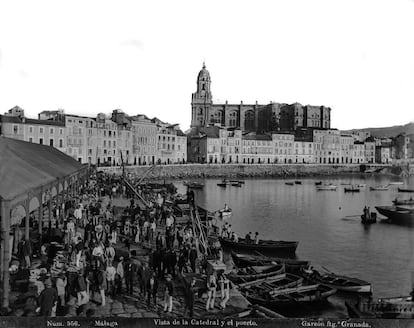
pixel 193 258
pixel 145 276
pixel 225 290
pixel 119 275
pixel 189 298
pixel 110 278
pixel 129 276
pixel 47 299
pixel 211 291
pixel 168 294
pixel 81 290
pixel 152 289
pixel 61 283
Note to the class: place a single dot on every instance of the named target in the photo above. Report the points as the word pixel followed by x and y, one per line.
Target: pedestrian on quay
pixel 193 258
pixel 145 276
pixel 110 278
pixel 189 298
pixel 225 289
pixel 129 272
pixel 61 283
pixel 168 294
pixel 119 275
pixel 152 289
pixel 211 291
pixel 47 299
pixel 81 290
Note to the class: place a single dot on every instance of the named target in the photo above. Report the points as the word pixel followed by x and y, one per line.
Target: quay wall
pixel 178 171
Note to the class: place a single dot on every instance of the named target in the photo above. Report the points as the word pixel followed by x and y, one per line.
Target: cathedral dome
pixel 204 75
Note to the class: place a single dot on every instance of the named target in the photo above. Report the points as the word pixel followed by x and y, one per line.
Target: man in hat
pixel 152 288
pixel 47 299
pixel 168 294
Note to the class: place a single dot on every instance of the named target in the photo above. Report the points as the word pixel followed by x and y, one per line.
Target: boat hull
pixel 281 246
pixel 397 215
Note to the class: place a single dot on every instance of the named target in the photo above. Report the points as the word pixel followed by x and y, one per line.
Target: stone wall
pixel 234 170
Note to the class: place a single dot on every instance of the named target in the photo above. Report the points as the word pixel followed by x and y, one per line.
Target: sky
pixel 87 57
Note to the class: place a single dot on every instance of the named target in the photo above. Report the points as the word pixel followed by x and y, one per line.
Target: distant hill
pixel 391 131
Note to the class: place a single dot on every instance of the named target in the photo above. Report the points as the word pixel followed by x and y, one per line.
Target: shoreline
pixel 188 171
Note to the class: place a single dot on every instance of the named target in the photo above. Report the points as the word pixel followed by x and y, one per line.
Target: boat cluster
pixel 283 283
pixel 234 183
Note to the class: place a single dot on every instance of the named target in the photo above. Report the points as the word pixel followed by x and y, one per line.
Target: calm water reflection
pixel 326 224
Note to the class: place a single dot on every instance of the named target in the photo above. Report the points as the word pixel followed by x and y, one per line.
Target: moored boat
pixel 396 183
pixel 222 184
pixel 298 182
pixel 404 201
pixel 253 273
pixel 238 181
pixel 405 190
pixel 378 188
pixel 194 185
pixel 397 214
pixel 224 212
pixel 236 184
pixel 326 187
pixel 289 183
pixel 291 265
pixel 361 185
pixel 351 189
pixel 262 245
pixel 273 284
pixel 295 297
pixel 318 183
pixel 339 282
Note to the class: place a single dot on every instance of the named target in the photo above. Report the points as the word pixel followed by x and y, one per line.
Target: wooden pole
pixel 27 221
pixel 5 234
pixel 40 212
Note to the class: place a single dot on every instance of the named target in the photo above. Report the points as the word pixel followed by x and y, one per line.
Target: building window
pixel 51 131
pixel 30 129
pixel 41 141
pixel 61 143
pixel 30 139
pixel 15 129
pixel 51 142
pixel 41 130
pixel 61 131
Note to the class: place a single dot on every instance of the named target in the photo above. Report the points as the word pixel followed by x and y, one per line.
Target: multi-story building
pixel 284 147
pixel 347 148
pixel 144 140
pixel 102 140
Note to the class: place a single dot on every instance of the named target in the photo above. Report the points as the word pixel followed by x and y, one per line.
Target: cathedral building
pixel 253 117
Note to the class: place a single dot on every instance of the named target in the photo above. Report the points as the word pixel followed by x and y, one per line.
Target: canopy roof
pixel 25 165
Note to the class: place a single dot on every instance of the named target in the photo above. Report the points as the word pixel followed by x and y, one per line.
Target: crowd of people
pixel 88 264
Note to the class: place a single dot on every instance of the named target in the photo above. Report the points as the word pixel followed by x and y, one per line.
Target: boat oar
pixel 327 269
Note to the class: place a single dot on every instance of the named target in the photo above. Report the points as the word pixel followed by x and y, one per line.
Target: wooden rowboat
pixel 403 202
pixel 245 260
pixel 405 190
pixel 263 245
pixel 343 283
pixel 290 298
pixel 273 284
pixel 253 273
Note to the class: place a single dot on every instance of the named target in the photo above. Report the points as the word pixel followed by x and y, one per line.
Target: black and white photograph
pixel 221 164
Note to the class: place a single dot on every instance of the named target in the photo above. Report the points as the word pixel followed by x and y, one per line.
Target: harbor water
pixel 327 225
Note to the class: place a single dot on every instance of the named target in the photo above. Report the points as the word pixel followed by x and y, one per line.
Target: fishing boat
pixel 236 184
pixel 245 260
pixel 361 185
pixel 273 284
pixel 298 182
pixel 396 183
pixel 254 273
pixel 397 214
pixel 194 185
pixel 263 245
pixel 378 188
pixel 401 307
pixel 291 297
pixel 346 184
pixel 238 181
pixel 405 190
pixel 404 201
pixel 326 187
pixel 222 184
pixel 369 218
pixel 224 212
pixel 339 282
pixel 351 189
pixel 289 183
pixel 318 183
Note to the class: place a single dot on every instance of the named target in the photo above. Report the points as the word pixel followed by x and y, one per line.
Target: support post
pixel 5 250
pixel 27 221
pixel 40 212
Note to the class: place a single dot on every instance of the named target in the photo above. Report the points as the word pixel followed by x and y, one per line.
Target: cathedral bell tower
pixel 201 100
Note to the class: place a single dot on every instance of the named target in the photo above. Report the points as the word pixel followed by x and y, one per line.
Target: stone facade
pixel 253 117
